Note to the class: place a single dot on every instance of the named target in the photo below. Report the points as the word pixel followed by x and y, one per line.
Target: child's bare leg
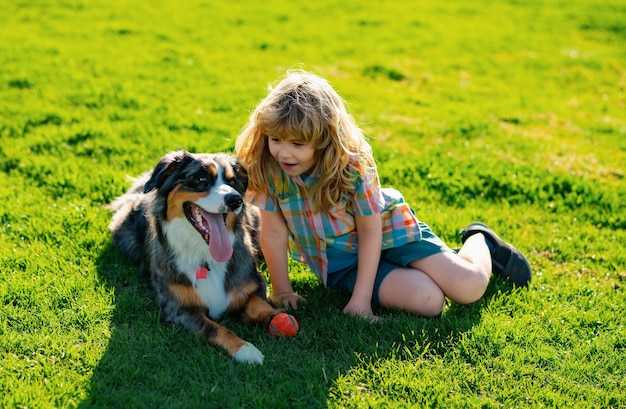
pixel 411 290
pixel 462 277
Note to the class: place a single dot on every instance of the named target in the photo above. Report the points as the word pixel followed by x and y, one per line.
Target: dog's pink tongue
pixel 219 244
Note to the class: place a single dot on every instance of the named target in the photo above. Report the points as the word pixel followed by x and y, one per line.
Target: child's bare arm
pixel 369 230
pixel 274 243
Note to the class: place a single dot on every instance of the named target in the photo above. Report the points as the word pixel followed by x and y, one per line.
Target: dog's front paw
pixel 250 354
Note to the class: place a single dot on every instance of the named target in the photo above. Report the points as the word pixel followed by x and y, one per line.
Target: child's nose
pixel 285 152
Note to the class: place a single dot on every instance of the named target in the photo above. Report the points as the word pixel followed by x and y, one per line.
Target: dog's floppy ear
pixel 240 171
pixel 166 166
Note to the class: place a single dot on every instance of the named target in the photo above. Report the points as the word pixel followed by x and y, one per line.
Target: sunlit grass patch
pixel 507 112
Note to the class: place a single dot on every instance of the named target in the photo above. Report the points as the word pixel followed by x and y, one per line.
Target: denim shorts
pixel 390 259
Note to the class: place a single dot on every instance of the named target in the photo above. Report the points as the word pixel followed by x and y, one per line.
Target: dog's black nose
pixel 233 200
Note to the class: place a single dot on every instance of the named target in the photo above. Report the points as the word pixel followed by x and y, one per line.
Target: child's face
pixel 294 157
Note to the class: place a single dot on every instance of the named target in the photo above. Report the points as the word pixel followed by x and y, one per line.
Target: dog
pixel 187 226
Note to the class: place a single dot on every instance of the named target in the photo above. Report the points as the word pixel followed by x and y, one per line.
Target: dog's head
pixel 207 190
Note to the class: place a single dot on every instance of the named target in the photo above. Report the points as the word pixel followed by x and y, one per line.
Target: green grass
pixel 509 112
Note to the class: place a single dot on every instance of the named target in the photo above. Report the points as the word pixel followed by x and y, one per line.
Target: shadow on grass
pixel 149 364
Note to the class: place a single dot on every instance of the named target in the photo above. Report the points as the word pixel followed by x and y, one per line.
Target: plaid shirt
pixel 311 233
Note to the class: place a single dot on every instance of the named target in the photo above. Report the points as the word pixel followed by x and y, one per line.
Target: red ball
pixel 284 324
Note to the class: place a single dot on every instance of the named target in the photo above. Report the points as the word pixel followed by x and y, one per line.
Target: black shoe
pixel 507 262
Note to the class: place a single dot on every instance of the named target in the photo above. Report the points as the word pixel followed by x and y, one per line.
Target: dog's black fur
pixel 167 222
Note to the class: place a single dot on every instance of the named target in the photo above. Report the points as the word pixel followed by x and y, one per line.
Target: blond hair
pixel 304 107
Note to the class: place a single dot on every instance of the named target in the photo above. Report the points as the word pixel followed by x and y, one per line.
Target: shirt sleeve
pixel 367 195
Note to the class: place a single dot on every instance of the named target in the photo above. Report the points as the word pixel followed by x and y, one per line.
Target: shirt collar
pixel 305 180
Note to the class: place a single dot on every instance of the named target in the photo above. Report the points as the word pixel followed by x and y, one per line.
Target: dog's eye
pixel 202 180
pixel 235 184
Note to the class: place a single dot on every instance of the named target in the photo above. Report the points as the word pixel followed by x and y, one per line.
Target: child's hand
pixel 289 299
pixel 361 311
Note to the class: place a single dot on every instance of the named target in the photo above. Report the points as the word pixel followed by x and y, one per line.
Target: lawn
pixel 509 112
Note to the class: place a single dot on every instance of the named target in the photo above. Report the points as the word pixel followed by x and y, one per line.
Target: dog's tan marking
pixel 212 168
pixel 176 199
pixel 231 220
pixel 186 295
pixel 239 296
pixel 255 308
pixel 227 340
pixel 228 172
pixel 258 310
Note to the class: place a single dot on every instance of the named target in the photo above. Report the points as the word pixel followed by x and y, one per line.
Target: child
pixel 313 176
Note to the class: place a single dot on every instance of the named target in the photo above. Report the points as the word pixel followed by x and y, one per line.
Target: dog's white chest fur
pixel 193 253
